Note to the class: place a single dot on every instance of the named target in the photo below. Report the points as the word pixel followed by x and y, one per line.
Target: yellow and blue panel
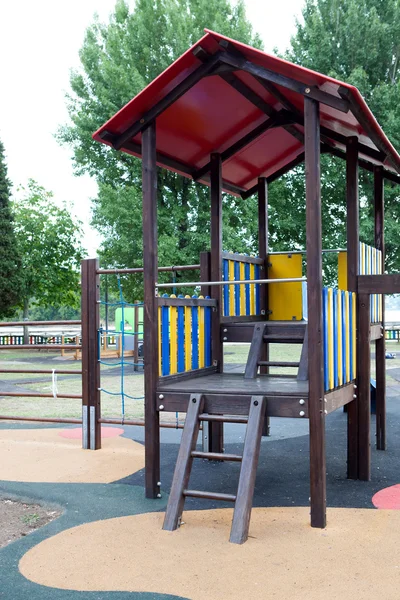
pixel 184 337
pixel 370 263
pixel 339 337
pixel 240 299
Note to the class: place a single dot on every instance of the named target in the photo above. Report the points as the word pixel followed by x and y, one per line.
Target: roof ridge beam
pixel 242 64
pixel 170 98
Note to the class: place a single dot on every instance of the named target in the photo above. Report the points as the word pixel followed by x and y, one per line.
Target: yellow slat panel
pixel 252 292
pixel 342 270
pixel 339 336
pixel 188 337
pixel 285 299
pixel 347 321
pixel 242 291
pixel 202 360
pixel 173 333
pixel 354 352
pixel 231 275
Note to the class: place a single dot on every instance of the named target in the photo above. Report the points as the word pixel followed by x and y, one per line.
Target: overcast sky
pixel 39 44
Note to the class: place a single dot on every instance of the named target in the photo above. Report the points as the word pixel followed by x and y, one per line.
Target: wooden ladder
pixel 260 337
pixel 187 452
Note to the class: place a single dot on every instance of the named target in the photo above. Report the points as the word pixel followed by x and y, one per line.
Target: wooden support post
pixel 150 324
pixel 380 360
pixel 262 188
pixel 91 410
pixel 364 386
pixel 314 299
pixel 216 430
pixel 352 272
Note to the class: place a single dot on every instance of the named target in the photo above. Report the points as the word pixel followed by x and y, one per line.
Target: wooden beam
pixel 363 389
pixel 312 92
pixel 379 284
pixel 314 301
pixel 365 123
pixel 364 164
pixel 352 272
pixel 380 350
pixel 165 102
pixel 282 171
pixel 216 429
pixel 150 325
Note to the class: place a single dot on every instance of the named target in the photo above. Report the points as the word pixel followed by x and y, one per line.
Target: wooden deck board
pixel 234 383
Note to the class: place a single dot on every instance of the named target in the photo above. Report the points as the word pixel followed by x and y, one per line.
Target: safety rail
pixel 339 337
pixel 184 333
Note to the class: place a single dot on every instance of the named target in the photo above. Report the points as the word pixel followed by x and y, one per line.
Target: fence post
pixel 90 315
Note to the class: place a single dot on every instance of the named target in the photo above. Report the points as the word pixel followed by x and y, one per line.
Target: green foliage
pixel 118 60
pixel 48 240
pixel 357 41
pixel 10 271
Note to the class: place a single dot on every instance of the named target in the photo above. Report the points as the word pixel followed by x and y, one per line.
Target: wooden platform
pixel 230 393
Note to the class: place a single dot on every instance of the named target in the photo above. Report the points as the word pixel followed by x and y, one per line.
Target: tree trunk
pixel 25 318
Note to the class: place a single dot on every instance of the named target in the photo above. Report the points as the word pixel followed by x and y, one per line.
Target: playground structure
pixel 235 118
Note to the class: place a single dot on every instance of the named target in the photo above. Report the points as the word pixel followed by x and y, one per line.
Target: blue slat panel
pixel 195 337
pixel 207 335
pixel 325 335
pixel 344 337
pixel 335 339
pixel 181 338
pixel 226 288
pixel 351 374
pixel 165 364
pixel 247 287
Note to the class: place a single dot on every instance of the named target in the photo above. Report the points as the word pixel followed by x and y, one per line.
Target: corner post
pixel 314 299
pixel 262 190
pixel 90 316
pixel 150 320
pixel 352 272
pixel 380 366
pixel 216 430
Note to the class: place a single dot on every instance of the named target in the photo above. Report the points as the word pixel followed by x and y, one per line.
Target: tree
pixel 49 242
pixel 10 271
pixel 357 41
pixel 118 60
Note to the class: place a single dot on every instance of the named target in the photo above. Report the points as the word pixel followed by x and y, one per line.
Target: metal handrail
pixel 234 282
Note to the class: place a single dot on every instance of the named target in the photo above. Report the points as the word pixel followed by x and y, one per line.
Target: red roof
pixel 212 115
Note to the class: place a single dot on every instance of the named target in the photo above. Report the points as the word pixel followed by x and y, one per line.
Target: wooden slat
pixel 363 391
pixel 254 352
pixel 253 260
pixel 340 397
pixel 379 284
pixel 380 349
pixel 185 301
pixel 314 301
pixel 187 375
pixel 376 332
pixel 248 471
pixel 302 374
pixel 150 320
pixel 184 462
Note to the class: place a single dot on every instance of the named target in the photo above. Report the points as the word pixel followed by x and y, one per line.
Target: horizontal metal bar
pixel 38 372
pixel 139 423
pixel 217 456
pixel 223 418
pixel 209 495
pixel 38 395
pixel 141 269
pixel 40 419
pixel 283 252
pixel 40 347
pixel 38 323
pixel 239 282
pixel 186 301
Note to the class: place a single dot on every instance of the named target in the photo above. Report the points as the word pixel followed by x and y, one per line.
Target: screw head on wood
pixel 159 483
pixel 158 495
pixel 142 121
pixel 194 400
pixel 302 401
pixel 326 412
pixel 302 413
pixel 225 338
pixel 307 90
pixel 355 387
pixel 354 395
pixel 161 397
pixel 255 402
pixel 161 407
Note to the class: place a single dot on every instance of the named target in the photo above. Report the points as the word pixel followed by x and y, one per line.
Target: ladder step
pixel 223 418
pixel 209 495
pixel 271 363
pixel 217 456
